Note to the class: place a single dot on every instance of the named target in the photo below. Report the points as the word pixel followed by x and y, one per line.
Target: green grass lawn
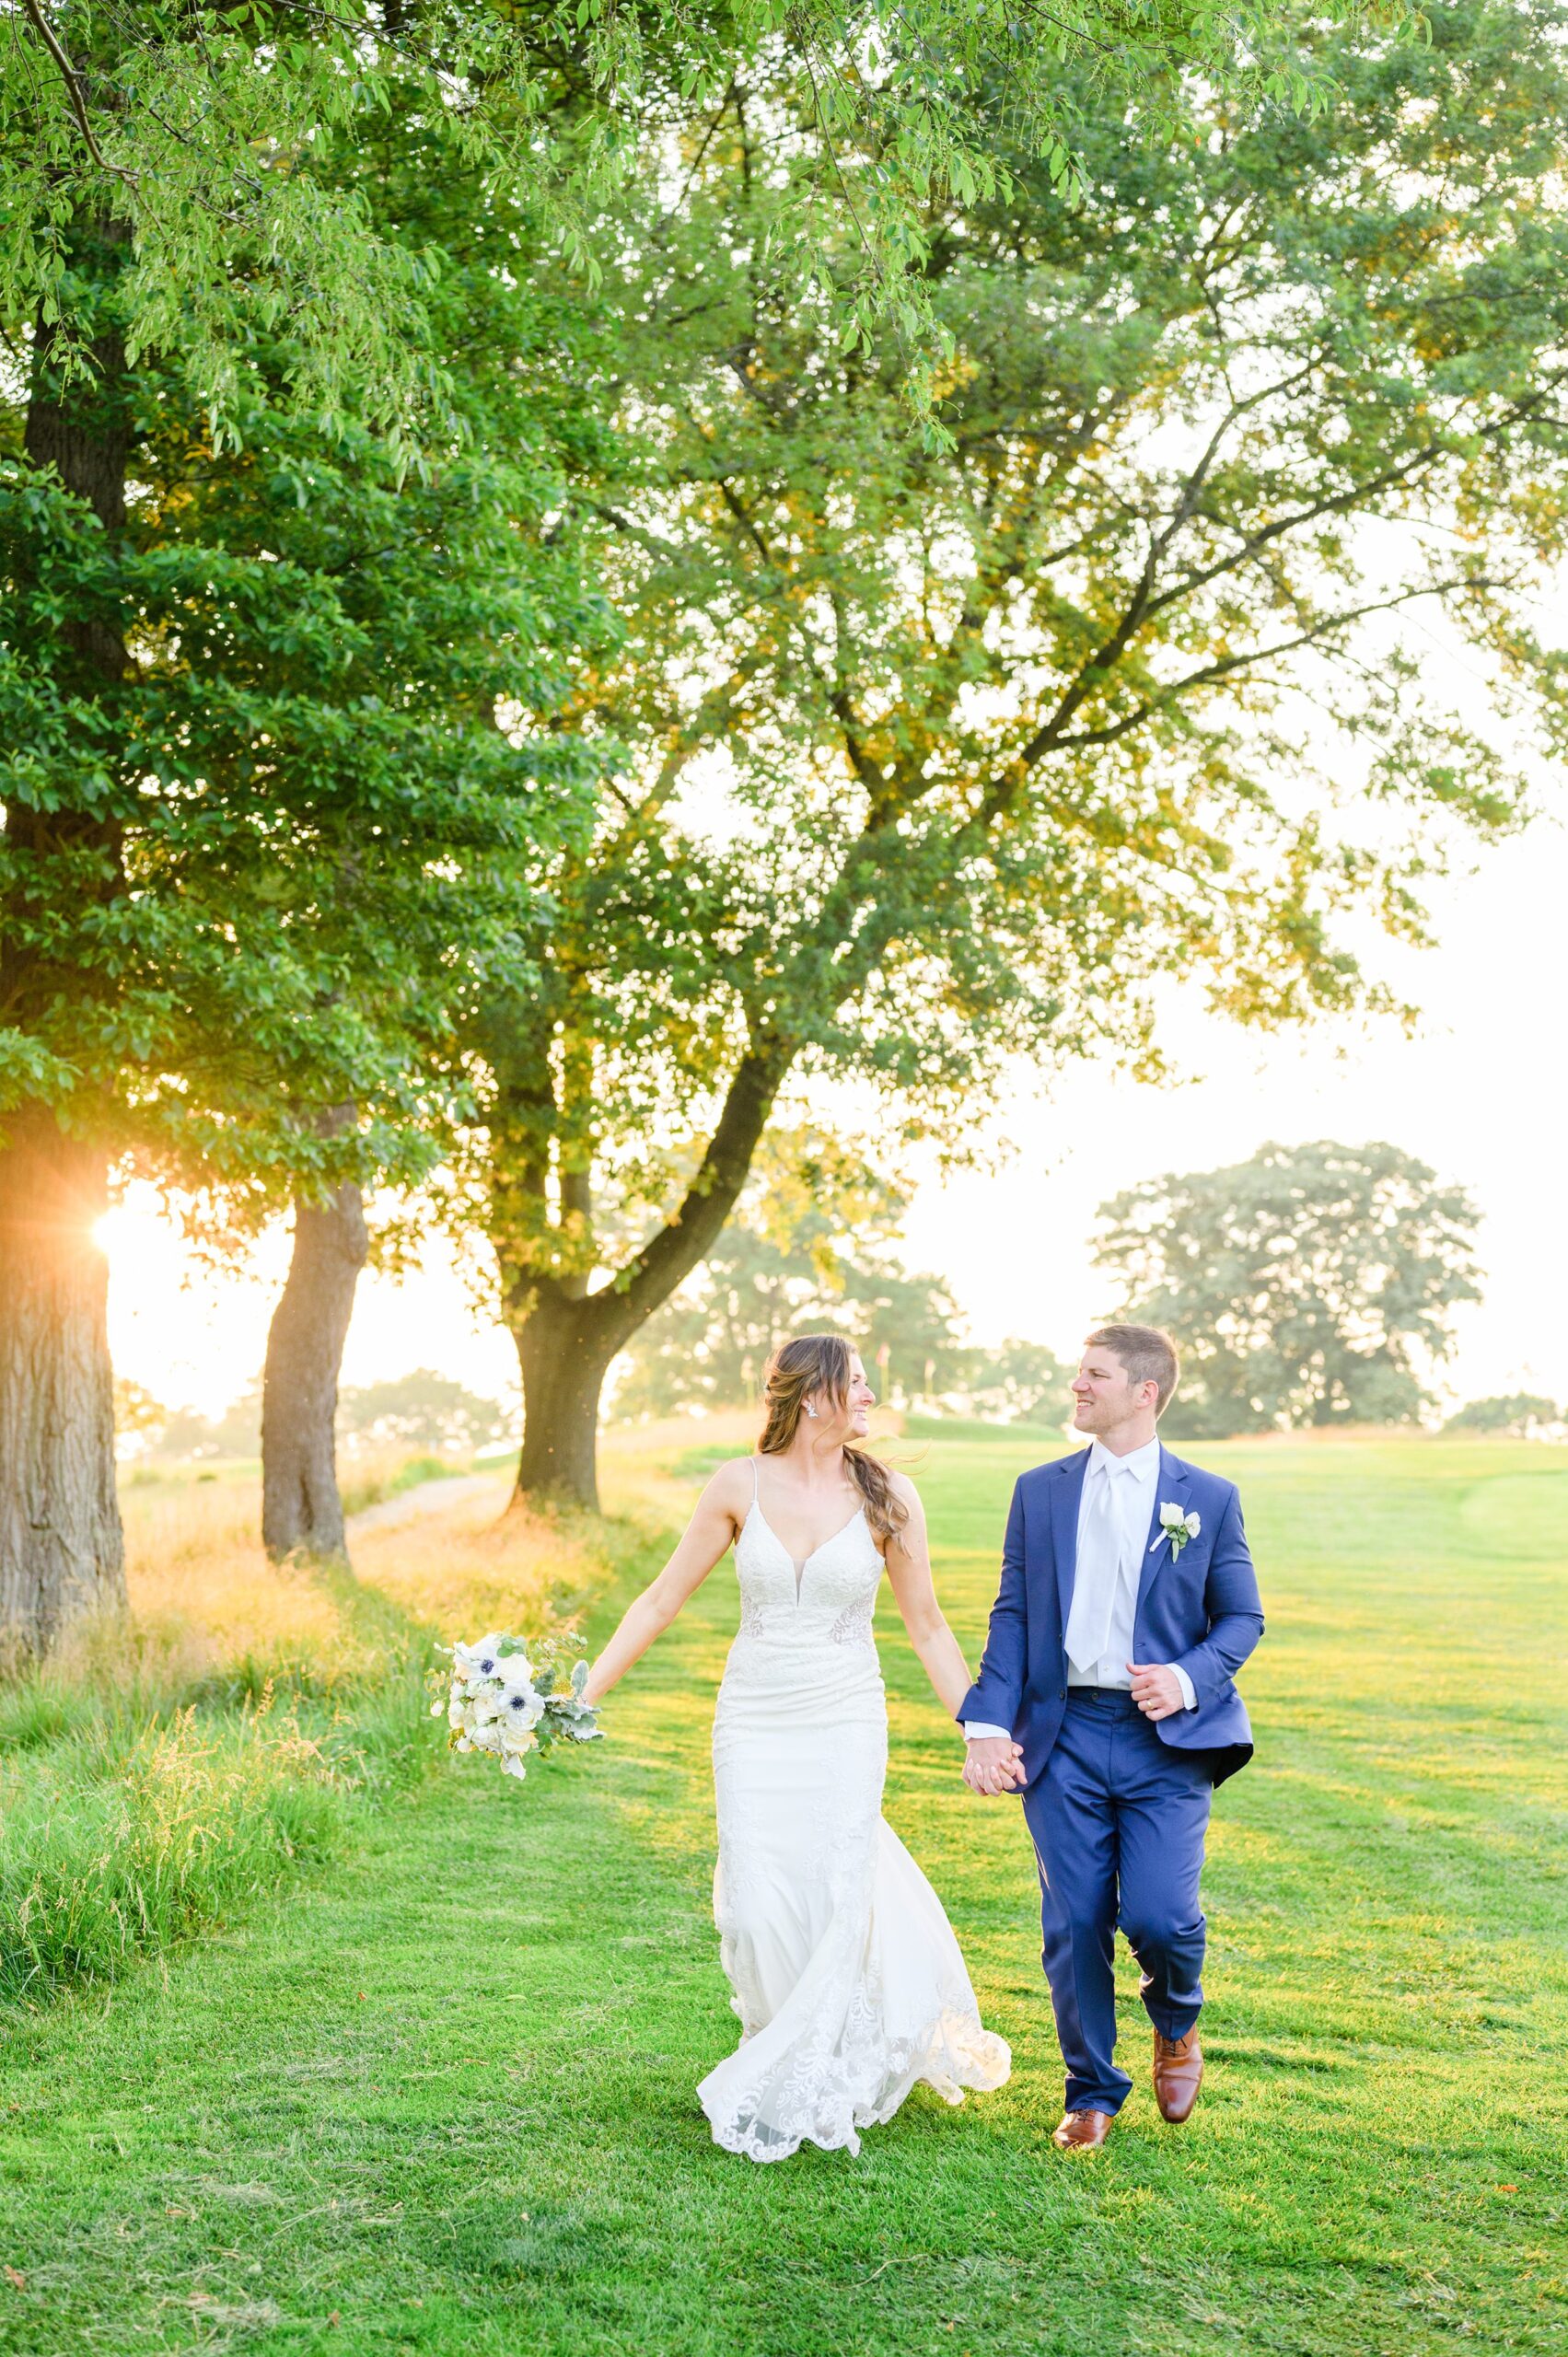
pixel 439 2097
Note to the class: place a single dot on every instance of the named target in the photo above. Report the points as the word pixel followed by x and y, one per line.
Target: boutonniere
pixel 1176 1526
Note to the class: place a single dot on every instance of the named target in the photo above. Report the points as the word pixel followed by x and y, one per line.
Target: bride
pixel 844 1971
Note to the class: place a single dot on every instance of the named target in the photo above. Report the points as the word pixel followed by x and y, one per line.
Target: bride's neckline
pixel 804 1565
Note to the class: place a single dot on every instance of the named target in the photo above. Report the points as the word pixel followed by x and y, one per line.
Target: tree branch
pixel 74 90
pixel 673 1250
pixel 1208 673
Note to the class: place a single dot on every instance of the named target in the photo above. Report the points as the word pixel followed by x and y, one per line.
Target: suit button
pixel 1061 1693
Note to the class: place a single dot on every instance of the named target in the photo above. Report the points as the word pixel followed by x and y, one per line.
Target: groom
pixel 1128 1604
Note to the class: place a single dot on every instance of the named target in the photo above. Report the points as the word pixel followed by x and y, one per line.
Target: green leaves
pixel 948 749
pixel 262 860
pixel 1311 1285
pixel 212 133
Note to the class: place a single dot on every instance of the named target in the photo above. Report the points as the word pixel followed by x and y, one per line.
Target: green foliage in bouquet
pixel 508 1696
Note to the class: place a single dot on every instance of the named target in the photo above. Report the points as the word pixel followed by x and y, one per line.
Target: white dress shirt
pixel 1128 1511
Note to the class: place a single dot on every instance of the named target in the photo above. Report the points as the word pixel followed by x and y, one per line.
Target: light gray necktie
pixel 1095 1577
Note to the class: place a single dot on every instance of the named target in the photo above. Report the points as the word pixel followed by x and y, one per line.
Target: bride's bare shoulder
pixel 732 1486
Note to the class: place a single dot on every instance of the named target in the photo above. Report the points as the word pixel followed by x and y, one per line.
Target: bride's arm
pixel 707 1536
pixel 909 1571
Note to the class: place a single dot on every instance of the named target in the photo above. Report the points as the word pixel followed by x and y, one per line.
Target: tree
pixel 421 1410
pixel 196 139
pixel 451 614
pixel 1021 1383
pixel 264 826
pixel 1304 1287
pixel 1522 1414
pixel 940 753
pixel 808 1246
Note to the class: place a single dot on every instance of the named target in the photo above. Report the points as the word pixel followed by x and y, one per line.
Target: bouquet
pixel 510 1697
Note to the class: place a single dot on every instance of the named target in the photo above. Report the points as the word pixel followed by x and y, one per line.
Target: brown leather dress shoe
pixel 1081 2131
pixel 1178 2074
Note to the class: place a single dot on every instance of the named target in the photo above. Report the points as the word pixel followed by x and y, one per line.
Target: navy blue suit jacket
pixel 1200 1609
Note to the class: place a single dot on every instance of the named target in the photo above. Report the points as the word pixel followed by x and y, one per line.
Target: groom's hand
pixel 1157 1689
pixel 993 1764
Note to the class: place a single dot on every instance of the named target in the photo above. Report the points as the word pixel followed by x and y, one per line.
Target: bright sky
pixel 1478 1093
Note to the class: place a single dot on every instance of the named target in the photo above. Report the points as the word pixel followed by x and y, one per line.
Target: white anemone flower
pixel 475 1663
pixel 521 1710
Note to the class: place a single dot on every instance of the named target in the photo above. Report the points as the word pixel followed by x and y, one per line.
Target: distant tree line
pixel 812 1245
pixel 1521 1414
pixel 1308 1288
pixel 421 1410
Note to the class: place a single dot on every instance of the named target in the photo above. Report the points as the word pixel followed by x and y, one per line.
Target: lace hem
pixel 954 2055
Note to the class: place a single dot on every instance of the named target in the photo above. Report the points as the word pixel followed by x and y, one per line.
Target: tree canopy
pixel 943 756
pixel 1313 1285
pixel 253 861
pixel 213 135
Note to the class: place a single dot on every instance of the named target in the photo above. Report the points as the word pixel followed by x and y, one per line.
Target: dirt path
pixel 438 1496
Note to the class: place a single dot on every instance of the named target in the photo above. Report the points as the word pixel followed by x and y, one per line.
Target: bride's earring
pixel 810 1411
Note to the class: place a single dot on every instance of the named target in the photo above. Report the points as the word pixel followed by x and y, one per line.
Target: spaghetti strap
pixel 756 1479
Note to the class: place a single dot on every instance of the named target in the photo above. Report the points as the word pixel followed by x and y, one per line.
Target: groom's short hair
pixel 1149 1355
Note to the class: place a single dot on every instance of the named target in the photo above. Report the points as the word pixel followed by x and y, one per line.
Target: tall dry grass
pixel 485 1564
pixel 164 1768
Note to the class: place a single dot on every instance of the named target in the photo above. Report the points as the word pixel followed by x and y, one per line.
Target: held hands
pixel 993 1764
pixel 1157 1689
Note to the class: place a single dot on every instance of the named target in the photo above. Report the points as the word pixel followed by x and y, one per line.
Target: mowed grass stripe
pixel 444 2094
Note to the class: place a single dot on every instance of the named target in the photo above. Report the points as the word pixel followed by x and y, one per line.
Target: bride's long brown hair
pixel 820 1363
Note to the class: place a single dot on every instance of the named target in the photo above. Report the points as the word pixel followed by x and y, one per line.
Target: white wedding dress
pixel 845 1973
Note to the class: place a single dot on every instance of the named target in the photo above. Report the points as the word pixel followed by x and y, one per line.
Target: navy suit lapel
pixel 1066 1490
pixel 1170 1489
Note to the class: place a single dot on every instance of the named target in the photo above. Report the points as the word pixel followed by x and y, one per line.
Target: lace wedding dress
pixel 847 1976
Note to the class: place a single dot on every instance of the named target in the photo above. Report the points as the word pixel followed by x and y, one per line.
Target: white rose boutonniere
pixel 1176 1526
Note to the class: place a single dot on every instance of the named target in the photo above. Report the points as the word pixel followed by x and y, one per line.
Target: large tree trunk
pixel 567 1337
pixel 61 1555
pixel 563 1355
pixel 301 1510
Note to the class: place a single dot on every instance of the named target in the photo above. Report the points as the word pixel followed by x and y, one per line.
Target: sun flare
pixel 116 1232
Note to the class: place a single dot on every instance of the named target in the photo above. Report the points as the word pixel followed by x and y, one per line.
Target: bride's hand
pixel 993 1764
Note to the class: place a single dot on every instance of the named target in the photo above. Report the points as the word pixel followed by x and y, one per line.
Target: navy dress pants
pixel 1118 1821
